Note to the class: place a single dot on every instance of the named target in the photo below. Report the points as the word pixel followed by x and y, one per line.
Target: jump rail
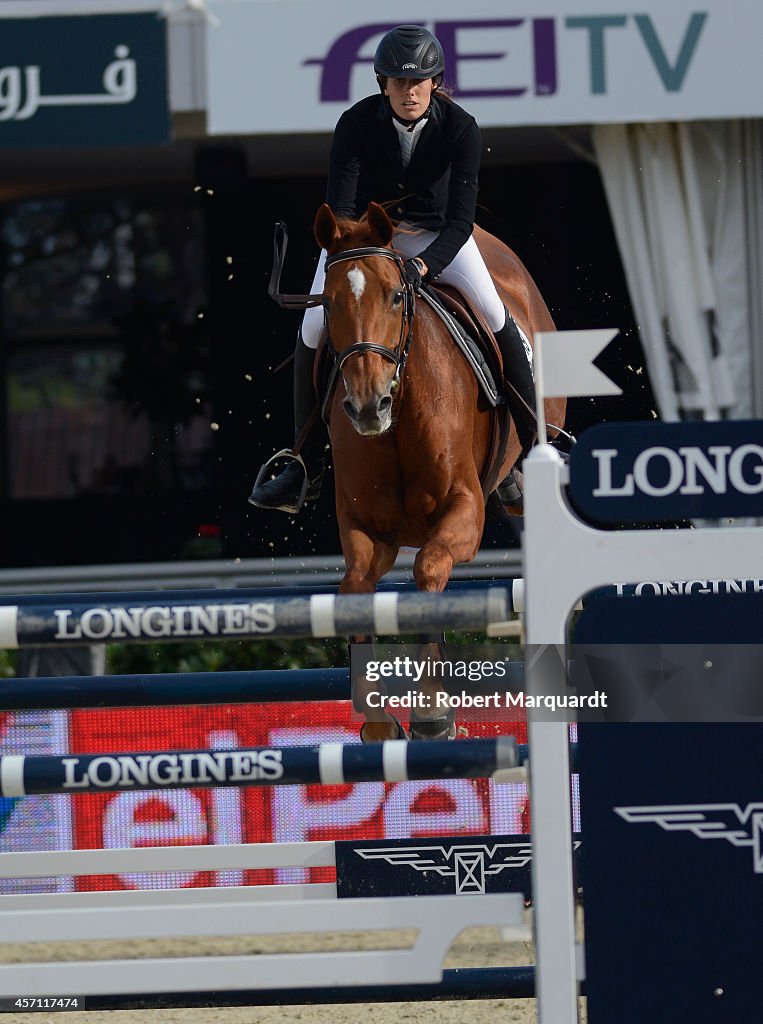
pixel 458 983
pixel 56 622
pixel 325 764
pixel 176 913
pixel 259 686
pixel 439 920
pixel 97 619
pixel 196 574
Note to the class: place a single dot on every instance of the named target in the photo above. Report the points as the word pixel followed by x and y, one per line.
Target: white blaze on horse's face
pixel 367 375
pixel 357 280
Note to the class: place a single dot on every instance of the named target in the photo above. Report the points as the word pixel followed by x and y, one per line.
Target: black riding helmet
pixel 409 51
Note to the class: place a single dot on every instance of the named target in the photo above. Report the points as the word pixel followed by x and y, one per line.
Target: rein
pixel 397 355
pixel 280 244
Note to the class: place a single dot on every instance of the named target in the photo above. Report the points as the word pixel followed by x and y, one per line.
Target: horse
pixel 409 431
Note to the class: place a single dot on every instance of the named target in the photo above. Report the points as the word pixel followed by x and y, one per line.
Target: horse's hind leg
pixel 367 559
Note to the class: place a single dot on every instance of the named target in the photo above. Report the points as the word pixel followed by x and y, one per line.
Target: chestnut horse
pixel 409 431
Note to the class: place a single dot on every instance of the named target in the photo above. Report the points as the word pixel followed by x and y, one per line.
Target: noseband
pixel 397 355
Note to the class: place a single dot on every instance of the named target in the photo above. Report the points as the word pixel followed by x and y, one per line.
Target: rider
pixel 417 152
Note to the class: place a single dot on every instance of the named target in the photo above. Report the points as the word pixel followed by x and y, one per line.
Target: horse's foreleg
pixel 431 718
pixel 367 559
pixel 455 538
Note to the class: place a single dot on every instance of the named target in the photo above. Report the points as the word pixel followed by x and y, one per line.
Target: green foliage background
pixel 212 656
pixel 222 656
pixel 235 655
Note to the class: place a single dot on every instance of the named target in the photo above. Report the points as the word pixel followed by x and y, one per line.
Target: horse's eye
pixel 397 298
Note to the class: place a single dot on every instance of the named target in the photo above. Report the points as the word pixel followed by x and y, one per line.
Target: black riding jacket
pixel 436 191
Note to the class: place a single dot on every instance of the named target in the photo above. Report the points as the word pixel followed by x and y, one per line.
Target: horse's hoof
pixel 433 728
pixel 377 732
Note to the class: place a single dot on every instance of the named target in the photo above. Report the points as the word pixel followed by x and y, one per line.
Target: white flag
pixel 564 363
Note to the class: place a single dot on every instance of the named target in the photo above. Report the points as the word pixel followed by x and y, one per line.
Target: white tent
pixel 686 201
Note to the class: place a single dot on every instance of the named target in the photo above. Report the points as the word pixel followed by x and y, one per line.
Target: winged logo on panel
pixel 467 865
pixel 739 826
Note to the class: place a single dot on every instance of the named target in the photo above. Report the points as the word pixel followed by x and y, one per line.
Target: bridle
pixel 397 355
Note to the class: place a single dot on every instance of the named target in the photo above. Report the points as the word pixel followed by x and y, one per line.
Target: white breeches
pixel 466 272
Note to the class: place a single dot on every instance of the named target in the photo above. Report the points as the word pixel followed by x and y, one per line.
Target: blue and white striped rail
pixel 324 764
pixel 158 620
pixel 166 616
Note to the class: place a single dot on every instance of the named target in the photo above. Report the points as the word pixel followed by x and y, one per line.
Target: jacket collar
pixel 434 113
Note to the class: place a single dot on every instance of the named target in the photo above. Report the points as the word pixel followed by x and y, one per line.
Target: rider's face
pixel 409 97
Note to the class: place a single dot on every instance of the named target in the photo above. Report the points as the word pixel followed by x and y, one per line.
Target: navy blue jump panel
pixel 435 866
pixel 688 618
pixel 677 658
pixel 672 811
pixel 672 871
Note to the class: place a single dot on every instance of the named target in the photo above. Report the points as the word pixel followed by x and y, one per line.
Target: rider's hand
pixel 415 272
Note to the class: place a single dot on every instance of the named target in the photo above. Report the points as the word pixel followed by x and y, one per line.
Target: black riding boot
pixel 520 396
pixel 287 490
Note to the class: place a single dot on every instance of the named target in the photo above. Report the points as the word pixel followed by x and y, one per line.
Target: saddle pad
pixel 470 340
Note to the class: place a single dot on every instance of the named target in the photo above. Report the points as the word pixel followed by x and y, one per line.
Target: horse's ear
pixel 380 223
pixel 325 227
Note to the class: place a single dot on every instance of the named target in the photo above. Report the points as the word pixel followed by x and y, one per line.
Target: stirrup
pixel 508 490
pixel 285 453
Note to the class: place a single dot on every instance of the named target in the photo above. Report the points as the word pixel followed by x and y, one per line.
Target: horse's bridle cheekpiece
pixel 397 355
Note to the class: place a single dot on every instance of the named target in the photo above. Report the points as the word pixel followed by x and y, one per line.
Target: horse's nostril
pixel 384 403
pixel 350 409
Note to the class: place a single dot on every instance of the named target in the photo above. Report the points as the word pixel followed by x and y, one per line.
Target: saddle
pixel 475 340
pixel 472 335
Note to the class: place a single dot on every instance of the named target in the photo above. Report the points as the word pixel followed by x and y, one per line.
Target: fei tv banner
pixel 296 65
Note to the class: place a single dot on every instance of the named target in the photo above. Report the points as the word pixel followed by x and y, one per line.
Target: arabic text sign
pixel 568 63
pixel 83 81
pixel 658 472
